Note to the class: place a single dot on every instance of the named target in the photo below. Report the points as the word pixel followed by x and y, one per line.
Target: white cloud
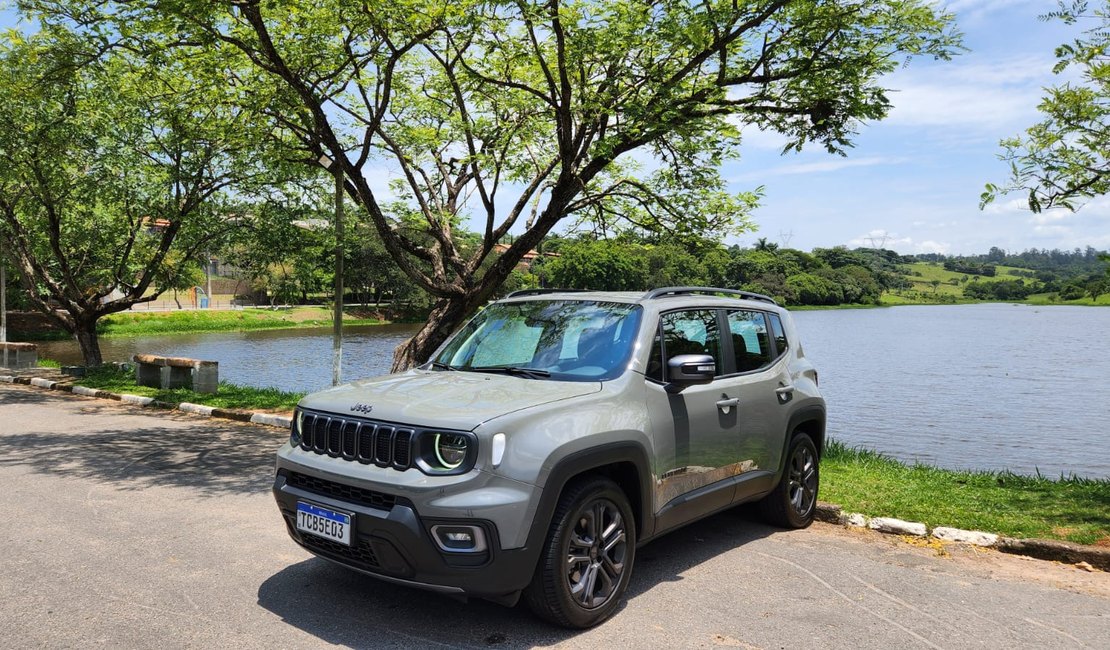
pixel 829 164
pixel 993 97
pixel 885 239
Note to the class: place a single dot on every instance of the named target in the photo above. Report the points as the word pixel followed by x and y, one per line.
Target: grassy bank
pixel 177 322
pixel 231 396
pixel 1072 509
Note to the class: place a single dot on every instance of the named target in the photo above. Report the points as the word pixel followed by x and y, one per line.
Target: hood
pixel 447 399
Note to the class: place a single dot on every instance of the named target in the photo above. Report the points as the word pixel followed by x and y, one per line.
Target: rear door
pixel 761 380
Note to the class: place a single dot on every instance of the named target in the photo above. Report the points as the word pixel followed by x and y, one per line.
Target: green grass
pixel 231 396
pixel 935 271
pixel 176 322
pixel 49 363
pixel 1068 508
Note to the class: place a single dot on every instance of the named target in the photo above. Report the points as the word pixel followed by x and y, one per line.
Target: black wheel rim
pixel 596 554
pixel 803 480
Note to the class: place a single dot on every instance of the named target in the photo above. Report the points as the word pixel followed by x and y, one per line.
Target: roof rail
pixel 537 292
pixel 709 291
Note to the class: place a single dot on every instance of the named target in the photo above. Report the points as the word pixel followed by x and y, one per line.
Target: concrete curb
pixel 1094 557
pixel 1088 557
pixel 265 419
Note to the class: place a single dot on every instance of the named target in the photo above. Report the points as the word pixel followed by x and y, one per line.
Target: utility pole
pixel 3 302
pixel 337 317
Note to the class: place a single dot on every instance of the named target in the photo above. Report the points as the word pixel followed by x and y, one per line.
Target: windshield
pixel 567 340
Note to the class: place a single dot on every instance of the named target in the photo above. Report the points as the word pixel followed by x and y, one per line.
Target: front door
pixel 695 429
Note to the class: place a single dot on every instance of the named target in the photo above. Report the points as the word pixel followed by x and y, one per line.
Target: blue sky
pixel 913 180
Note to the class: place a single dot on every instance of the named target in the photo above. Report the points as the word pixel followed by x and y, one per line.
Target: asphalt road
pixel 124 528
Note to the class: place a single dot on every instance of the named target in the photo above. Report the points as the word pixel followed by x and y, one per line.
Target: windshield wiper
pixel 439 365
pixel 532 373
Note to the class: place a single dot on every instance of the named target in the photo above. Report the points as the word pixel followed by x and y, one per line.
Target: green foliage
pixel 1070 508
pixel 520 115
pixel 1063 159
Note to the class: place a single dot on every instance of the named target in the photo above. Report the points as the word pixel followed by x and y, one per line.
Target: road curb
pixel 265 419
pixel 1093 557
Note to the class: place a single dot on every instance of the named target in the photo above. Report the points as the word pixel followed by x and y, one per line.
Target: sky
pixel 913 180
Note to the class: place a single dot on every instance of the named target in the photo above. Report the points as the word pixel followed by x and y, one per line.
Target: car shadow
pixel 342 607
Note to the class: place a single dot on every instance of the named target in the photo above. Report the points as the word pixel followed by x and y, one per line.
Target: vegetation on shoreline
pixel 1074 509
pixel 231 396
pixel 181 322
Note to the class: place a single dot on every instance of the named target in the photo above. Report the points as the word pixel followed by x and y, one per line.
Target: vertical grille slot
pixel 350 439
pixel 402 449
pixel 383 448
pixel 335 436
pixel 366 443
pixel 308 431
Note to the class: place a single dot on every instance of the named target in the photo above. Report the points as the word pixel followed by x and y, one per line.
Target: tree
pixel 515 116
pixel 1065 158
pixel 111 172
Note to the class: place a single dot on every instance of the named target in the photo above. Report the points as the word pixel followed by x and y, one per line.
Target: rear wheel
pixel 587 556
pixel 793 502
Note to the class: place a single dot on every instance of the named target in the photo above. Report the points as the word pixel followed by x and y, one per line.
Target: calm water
pixel 992 386
pixel 967 386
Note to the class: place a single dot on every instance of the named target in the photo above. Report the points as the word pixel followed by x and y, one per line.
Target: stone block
pixel 898 527
pixel 975 537
pixel 856 519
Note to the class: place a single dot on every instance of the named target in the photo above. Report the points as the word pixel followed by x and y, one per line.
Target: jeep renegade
pixel 550 436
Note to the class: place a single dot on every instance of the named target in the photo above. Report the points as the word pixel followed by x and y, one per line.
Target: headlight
pixel 296 428
pixel 450 450
pixel 446 452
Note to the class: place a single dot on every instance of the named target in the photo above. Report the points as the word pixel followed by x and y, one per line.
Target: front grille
pixel 366 441
pixel 348 493
pixel 358 554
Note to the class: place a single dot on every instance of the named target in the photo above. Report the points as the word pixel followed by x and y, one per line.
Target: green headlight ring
pixel 461 448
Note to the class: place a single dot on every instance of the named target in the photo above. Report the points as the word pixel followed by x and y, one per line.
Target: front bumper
pixel 390 540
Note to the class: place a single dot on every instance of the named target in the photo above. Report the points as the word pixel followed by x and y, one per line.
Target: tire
pixel 593 523
pixel 793 502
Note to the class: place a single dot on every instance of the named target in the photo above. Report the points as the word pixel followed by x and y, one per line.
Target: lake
pixel 991 386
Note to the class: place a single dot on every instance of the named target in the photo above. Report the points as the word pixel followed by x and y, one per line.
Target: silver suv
pixel 552 435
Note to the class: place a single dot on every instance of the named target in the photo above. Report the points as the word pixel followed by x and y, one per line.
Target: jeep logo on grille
pixel 362 408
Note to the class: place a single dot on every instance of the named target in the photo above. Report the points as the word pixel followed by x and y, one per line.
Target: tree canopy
pixel 513 116
pixel 1064 159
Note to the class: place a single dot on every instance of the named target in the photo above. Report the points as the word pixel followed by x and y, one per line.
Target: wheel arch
pixel 625 463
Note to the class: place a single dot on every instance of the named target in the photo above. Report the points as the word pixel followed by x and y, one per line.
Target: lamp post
pixel 3 303
pixel 337 317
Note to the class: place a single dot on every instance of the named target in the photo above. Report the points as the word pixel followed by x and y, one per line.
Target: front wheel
pixel 587 556
pixel 793 502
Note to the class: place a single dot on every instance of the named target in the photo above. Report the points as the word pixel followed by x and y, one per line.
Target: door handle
pixel 727 404
pixel 785 393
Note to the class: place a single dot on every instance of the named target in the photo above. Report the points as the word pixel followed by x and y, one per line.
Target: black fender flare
pixel 582 462
pixel 811 413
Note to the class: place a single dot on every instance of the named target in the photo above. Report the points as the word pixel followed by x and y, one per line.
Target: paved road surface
pixel 127 529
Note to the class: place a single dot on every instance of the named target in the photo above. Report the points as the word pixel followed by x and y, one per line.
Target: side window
pixel 692 332
pixel 779 333
pixel 750 344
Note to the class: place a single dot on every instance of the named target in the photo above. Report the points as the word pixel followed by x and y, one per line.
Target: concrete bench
pixel 18 355
pixel 176 372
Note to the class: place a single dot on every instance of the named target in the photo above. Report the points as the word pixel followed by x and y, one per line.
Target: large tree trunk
pixel 85 331
pixel 446 316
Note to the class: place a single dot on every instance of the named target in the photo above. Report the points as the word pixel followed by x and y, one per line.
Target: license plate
pixel 325 523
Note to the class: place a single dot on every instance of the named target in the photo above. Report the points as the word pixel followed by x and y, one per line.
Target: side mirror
pixel 687 369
